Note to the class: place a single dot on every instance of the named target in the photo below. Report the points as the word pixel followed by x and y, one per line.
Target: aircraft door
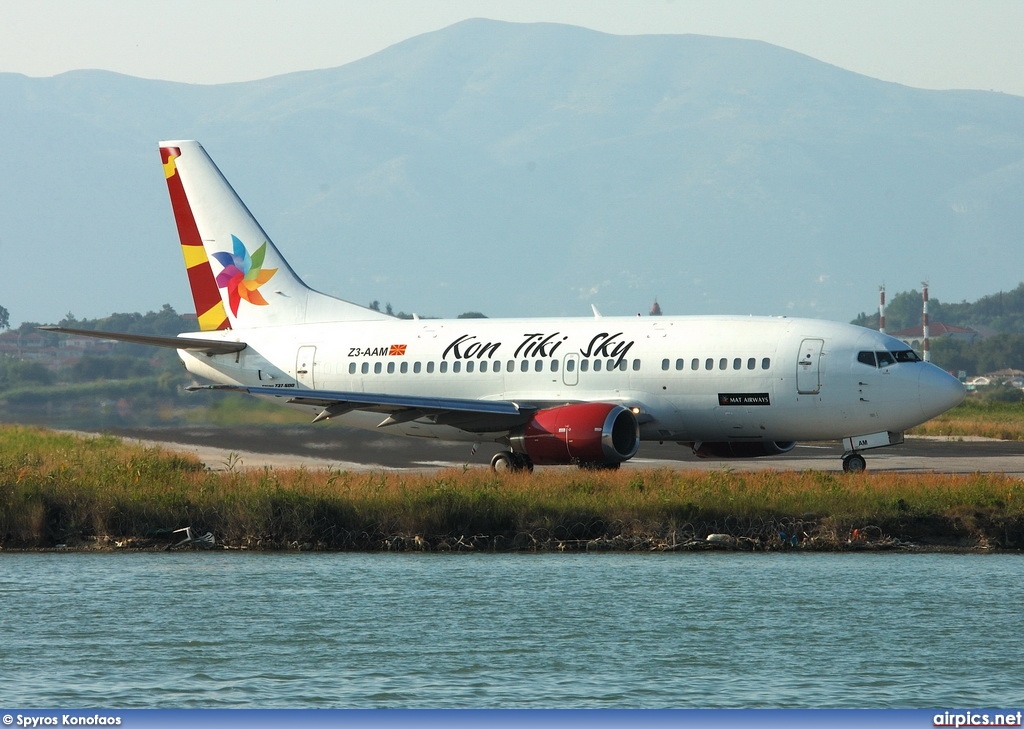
pixel 808 367
pixel 304 364
pixel 571 369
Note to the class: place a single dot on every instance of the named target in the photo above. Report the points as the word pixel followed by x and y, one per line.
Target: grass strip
pixel 99 492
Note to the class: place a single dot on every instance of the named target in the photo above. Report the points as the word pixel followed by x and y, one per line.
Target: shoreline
pixel 587 548
pixel 870 539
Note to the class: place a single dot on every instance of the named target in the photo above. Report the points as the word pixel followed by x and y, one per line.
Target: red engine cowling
pixel 742 450
pixel 591 433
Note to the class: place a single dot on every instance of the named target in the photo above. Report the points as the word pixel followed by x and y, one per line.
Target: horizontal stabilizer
pixel 189 344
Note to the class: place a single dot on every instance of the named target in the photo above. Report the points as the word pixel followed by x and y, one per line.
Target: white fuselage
pixel 694 378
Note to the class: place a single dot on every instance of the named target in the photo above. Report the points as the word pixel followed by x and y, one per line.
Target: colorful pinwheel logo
pixel 243 274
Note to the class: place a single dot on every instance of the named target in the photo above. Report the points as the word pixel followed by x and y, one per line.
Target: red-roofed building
pixel 936 330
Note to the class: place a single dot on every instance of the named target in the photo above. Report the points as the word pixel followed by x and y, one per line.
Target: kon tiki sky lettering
pixel 540 344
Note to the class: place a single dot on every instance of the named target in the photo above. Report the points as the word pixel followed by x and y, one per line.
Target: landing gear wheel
pixel 854 463
pixel 506 461
pixel 502 462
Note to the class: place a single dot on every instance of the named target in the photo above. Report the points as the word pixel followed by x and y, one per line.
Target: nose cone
pixel 939 391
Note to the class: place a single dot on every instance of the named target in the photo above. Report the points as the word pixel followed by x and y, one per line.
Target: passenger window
pixel 469 366
pixel 456 366
pixel 723 363
pixel 597 365
pixel 636 365
pixel 709 364
pixel 664 364
pixel 510 365
pixel 365 368
pixel 430 367
pixel 524 366
pixel 443 368
pixel 404 368
pixel 694 364
pixel 538 365
pixel 766 363
pixel 570 365
pixel 415 368
pixel 391 368
pixel 483 365
pixel 377 368
pixel 351 368
pixel 679 364
pixel 584 365
pixel 737 363
pixel 751 363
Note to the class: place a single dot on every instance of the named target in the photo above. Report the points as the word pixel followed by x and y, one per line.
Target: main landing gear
pixel 511 461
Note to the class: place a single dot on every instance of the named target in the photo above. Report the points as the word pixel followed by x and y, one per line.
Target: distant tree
pixel 18 373
pixel 904 311
pixel 472 315
pixel 955 355
pixel 375 305
pixel 1003 312
pixel 1002 351
pixel 5 318
pixel 1002 393
pixel 388 310
pixel 166 321
pixel 108 367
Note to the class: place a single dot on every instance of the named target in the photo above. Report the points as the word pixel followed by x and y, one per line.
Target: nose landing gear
pixel 854 463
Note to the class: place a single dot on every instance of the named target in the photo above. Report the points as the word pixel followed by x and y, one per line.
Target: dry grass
pixel 1003 421
pixel 60 489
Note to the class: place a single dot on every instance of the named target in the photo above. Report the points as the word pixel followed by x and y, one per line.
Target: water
pixel 610 630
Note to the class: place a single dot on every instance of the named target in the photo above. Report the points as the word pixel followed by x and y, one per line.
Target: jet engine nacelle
pixel 592 433
pixel 742 450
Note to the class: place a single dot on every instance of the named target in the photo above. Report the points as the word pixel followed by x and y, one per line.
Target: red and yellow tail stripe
pixel 209 305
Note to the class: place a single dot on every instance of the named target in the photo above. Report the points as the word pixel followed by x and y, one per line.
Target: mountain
pixel 527 169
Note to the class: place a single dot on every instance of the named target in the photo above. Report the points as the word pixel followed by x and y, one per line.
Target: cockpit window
pixel 886 359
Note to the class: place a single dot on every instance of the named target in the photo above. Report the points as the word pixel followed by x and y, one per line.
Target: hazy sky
pixel 938 44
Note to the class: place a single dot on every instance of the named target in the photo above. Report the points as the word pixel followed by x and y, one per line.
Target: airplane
pixel 554 391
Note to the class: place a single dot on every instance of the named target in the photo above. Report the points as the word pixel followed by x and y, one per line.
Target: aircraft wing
pixel 191 344
pixel 474 416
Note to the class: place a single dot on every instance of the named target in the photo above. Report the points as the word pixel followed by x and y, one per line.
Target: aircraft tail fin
pixel 238 277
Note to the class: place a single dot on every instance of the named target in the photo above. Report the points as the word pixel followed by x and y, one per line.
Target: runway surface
pixel 326 446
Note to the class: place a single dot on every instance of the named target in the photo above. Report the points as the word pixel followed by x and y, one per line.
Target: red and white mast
pixel 925 343
pixel 881 310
